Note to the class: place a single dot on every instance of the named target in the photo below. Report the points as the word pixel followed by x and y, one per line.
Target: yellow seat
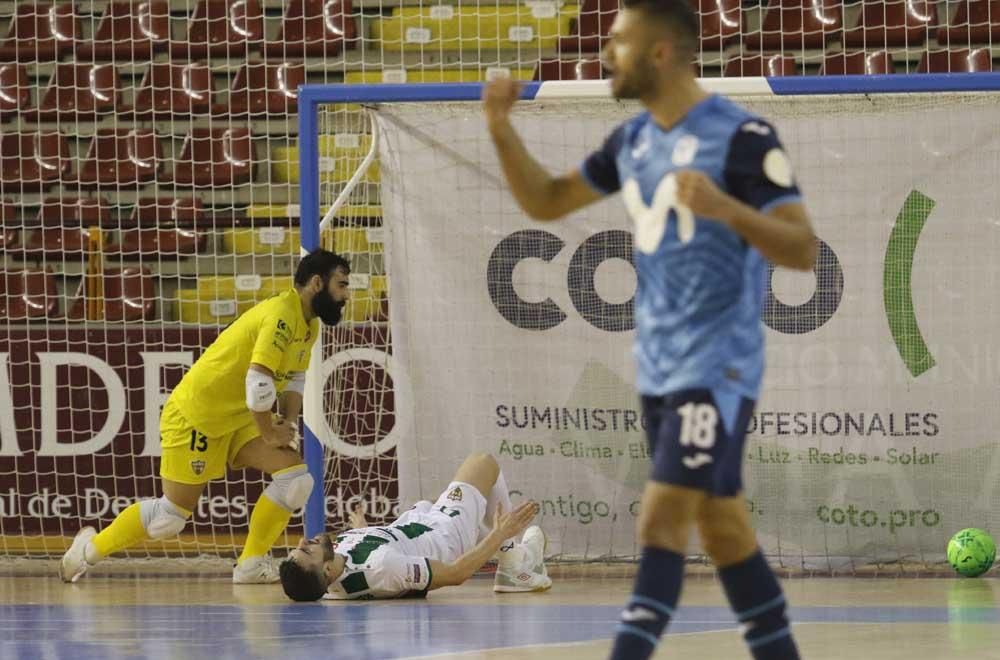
pixel 477 28
pixel 209 312
pixel 339 157
pixel 368 304
pixel 262 240
pixel 353 240
pixel 253 288
pixel 272 211
pixel 431 76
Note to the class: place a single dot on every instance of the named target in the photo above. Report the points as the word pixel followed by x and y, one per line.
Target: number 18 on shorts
pixel 695 442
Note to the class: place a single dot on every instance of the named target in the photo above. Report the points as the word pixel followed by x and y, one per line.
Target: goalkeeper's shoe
pixel 255 570
pixel 74 562
pixel 525 571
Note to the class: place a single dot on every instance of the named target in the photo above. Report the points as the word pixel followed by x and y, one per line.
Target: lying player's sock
pixel 756 597
pixel 147 519
pixel 499 496
pixel 654 597
pixel 287 492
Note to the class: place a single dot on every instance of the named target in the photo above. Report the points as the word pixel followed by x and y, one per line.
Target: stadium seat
pixel 956 61
pixel 15 91
pixel 73 212
pixel 262 240
pixel 760 65
pixel 129 32
pixel 884 23
pixel 371 304
pixel 357 240
pixel 215 157
pixel 32 161
pixel 174 89
pixel 569 70
pixel 434 75
pixel 797 25
pixel 10 241
pixel 78 90
pixel 259 89
pixel 40 32
pixel 476 28
pixel 721 22
pixel 975 22
pixel 161 211
pixel 135 243
pixel 58 242
pixel 121 156
pixel 222 28
pixel 10 237
pixel 314 28
pixel 838 64
pixel 128 295
pixel 28 294
pixel 344 153
pixel 588 31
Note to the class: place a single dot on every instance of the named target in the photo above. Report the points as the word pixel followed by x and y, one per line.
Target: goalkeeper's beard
pixel 326 308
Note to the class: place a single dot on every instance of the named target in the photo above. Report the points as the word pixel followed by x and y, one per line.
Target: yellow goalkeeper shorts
pixel 191 457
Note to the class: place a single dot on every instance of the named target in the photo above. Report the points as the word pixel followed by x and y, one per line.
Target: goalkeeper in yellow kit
pixel 222 413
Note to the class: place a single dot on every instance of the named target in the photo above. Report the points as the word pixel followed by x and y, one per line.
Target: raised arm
pixel 505 525
pixel 539 194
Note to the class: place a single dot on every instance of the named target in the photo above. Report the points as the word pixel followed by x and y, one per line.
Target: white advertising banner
pixel 874 436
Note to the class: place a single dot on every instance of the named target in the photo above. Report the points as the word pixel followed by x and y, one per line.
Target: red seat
pixel 569 70
pixel 174 88
pixel 129 31
pixel 260 88
pixel 28 294
pixel 588 32
pixel 15 92
pixel 120 156
pixel 78 90
pixel 58 241
pixel 160 211
pixel 40 32
pixel 975 22
pixel 956 61
pixel 760 65
pixel 73 212
pixel 314 28
pixel 721 22
pixel 797 25
pixel 10 237
pixel 838 64
pixel 133 243
pixel 215 157
pixel 222 28
pixel 128 295
pixel 32 161
pixel 892 23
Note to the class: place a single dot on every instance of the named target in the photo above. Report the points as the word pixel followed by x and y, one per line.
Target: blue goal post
pixel 311 97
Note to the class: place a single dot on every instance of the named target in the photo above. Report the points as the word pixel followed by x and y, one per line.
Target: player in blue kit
pixel 713 199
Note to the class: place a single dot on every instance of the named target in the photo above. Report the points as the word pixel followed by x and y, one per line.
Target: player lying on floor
pixel 430 546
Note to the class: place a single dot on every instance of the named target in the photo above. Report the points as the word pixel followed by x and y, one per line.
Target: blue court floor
pixel 172 618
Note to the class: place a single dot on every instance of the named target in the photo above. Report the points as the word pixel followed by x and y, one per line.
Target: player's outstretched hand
pixel 512 523
pixel 356 519
pixel 282 433
pixel 499 96
pixel 699 193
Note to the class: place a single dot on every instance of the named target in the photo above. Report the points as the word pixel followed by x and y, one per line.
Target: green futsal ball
pixel 971 552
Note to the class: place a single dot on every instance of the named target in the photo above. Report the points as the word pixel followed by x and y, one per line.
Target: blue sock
pixel 654 597
pixel 757 599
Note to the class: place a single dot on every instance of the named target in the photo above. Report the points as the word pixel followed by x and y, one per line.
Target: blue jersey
pixel 701 286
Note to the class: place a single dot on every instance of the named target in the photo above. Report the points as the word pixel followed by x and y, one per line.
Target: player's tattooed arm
pixel 783 234
pixel 505 525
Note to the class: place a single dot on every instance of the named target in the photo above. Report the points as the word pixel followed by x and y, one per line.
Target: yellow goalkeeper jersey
pixel 274 334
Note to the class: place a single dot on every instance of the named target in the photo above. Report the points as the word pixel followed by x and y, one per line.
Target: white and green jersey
pixel 394 561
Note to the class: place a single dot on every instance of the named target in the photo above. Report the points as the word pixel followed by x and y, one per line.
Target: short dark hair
pixel 678 15
pixel 319 262
pixel 299 584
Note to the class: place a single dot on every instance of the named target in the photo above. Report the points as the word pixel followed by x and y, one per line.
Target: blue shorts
pixel 689 442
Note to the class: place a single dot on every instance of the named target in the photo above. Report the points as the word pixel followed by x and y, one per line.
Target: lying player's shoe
pixel 255 570
pixel 528 572
pixel 74 562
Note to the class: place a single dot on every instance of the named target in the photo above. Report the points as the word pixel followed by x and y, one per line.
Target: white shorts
pixel 455 519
